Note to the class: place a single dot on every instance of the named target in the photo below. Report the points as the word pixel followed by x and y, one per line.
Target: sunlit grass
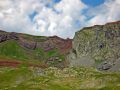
pixel 31 78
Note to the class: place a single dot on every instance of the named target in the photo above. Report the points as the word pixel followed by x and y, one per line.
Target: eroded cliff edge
pixel 97 46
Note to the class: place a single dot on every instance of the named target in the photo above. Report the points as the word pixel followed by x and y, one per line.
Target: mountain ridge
pixel 50 50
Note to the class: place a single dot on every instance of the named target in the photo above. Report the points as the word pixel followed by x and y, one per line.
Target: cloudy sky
pixel 56 17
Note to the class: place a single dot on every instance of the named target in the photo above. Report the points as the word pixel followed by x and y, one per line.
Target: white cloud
pixel 57 20
pixel 107 12
pixel 62 19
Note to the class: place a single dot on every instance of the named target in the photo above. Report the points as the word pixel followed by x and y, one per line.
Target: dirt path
pixel 6 63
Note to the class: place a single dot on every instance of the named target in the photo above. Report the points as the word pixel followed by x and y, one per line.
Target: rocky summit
pixel 97 46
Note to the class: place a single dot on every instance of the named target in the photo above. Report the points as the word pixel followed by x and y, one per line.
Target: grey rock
pixel 92 46
pixel 104 66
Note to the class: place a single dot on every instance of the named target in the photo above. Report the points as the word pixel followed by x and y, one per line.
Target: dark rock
pixel 101 46
pixel 8 36
pixel 3 38
pixel 74 51
pixel 104 66
pixel 29 45
pixel 13 36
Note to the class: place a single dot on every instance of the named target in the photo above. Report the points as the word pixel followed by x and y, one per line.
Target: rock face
pixel 64 45
pixel 46 43
pixel 14 36
pixel 97 46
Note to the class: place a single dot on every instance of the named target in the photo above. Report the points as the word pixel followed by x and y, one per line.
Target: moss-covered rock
pixel 96 46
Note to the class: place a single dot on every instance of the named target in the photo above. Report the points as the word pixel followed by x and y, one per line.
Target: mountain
pixel 51 63
pixel 97 46
pixel 22 47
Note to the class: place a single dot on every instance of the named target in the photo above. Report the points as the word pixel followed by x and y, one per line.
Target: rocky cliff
pixel 97 46
pixel 33 42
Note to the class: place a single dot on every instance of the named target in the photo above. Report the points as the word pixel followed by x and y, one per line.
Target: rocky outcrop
pixel 27 44
pixel 3 38
pixel 64 45
pixel 97 46
pixel 32 42
pixel 14 36
pixel 8 36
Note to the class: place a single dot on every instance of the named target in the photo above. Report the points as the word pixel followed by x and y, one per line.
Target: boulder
pixel 3 38
pixel 104 66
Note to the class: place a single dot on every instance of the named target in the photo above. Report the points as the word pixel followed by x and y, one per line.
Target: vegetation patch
pixel 33 78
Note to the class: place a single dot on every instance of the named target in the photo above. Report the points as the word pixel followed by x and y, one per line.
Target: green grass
pixel 12 49
pixel 31 37
pixel 26 78
pixel 42 55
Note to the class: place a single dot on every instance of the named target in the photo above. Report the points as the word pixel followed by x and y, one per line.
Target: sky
pixel 56 17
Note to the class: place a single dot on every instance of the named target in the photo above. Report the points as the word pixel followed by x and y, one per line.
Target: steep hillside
pixel 48 50
pixel 97 46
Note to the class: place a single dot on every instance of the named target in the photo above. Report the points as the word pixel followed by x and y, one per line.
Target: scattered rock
pixel 104 66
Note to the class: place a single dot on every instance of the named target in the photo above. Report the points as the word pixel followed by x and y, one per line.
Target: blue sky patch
pixel 51 3
pixel 56 1
pixel 93 3
pixel 32 15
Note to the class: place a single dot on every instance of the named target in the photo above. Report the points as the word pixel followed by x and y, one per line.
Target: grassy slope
pixel 11 49
pixel 25 78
